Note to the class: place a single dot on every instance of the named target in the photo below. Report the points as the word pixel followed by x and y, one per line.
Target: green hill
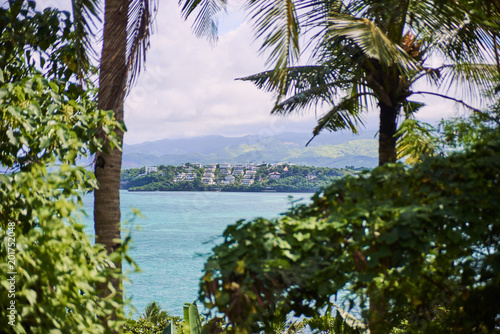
pixel 347 151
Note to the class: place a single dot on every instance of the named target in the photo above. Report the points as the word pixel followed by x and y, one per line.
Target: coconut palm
pixel 127 27
pixel 368 53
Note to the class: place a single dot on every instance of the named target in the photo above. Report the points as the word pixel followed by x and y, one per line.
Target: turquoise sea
pixel 179 229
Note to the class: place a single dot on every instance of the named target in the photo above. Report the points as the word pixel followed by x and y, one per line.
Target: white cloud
pixel 189 88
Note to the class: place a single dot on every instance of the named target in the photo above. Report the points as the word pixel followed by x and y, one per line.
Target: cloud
pixel 189 87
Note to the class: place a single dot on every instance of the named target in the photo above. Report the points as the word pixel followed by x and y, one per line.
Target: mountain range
pixel 326 150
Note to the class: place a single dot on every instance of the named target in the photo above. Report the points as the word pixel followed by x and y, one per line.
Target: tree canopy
pixel 424 238
pixel 48 121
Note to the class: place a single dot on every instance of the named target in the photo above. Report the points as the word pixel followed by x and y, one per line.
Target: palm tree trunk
pixel 112 80
pixel 387 132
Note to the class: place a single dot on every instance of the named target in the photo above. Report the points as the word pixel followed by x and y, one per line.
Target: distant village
pixel 227 177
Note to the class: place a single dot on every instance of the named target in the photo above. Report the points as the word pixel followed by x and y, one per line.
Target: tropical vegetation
pixel 402 250
pixel 292 178
pixel 367 54
pixel 48 121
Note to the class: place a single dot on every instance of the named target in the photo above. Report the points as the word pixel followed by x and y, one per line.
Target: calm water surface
pixel 178 231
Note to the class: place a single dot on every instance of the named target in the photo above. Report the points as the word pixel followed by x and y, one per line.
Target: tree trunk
pixel 112 81
pixel 378 310
pixel 387 132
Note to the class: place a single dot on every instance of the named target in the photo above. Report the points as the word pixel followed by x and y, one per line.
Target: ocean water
pixel 179 229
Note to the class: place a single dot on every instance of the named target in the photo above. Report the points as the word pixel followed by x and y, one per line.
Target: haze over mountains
pixel 326 150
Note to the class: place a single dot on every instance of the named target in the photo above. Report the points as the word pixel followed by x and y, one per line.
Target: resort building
pixel 210 175
pixel 247 182
pixel 274 176
pixel 239 167
pixel 229 179
pixel 238 171
pixel 151 169
pixel 207 180
pixel 311 177
pixel 180 177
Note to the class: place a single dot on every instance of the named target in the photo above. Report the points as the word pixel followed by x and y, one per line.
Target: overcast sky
pixel 189 89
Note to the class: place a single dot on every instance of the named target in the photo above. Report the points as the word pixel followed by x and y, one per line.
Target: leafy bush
pixel 412 250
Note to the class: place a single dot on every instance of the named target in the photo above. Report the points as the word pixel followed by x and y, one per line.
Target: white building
pixel 229 179
pixel 180 177
pixel 274 176
pixel 207 180
pixel 238 167
pixel 225 165
pixel 151 169
pixel 247 182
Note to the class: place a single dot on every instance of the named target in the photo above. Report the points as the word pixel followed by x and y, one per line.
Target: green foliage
pixel 292 179
pixel 46 123
pixel 426 238
pixel 415 141
pixel 192 320
pixel 154 320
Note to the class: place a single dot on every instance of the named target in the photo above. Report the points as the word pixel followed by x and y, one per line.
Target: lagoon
pixel 173 239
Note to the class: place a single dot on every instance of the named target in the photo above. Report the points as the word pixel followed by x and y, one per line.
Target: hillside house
pixel 180 177
pixel 210 175
pixel 150 169
pixel 247 182
pixel 274 176
pixel 229 179
pixel 311 177
pixel 207 180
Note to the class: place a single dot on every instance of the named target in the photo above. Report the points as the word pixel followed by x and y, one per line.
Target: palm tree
pixel 367 53
pixel 127 27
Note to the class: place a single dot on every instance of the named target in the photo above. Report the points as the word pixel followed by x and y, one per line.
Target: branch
pixel 450 98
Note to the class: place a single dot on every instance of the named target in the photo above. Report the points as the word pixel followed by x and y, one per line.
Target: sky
pixel 188 88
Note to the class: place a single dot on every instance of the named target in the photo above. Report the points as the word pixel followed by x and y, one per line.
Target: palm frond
pixel 345 115
pixel 303 100
pixel 305 86
pixel 205 23
pixel 276 22
pixel 85 15
pixel 472 80
pixel 139 28
pixel 415 140
pixel 465 34
pixel 411 107
pixel 372 41
pixel 298 78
